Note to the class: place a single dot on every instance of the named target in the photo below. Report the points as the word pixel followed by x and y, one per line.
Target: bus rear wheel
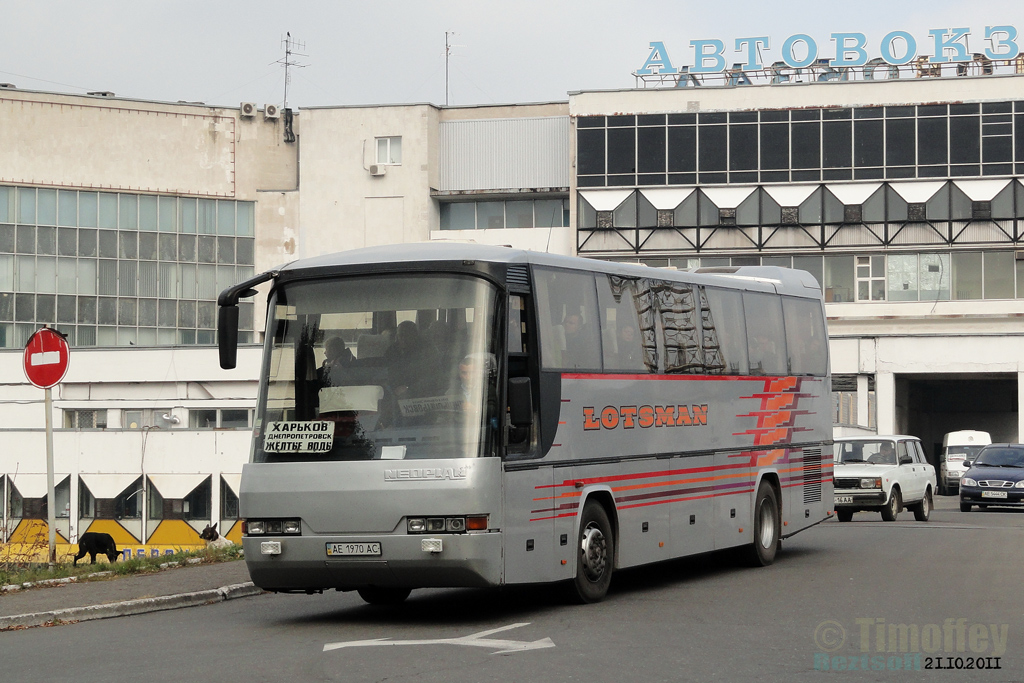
pixel 595 555
pixel 767 527
pixel 381 595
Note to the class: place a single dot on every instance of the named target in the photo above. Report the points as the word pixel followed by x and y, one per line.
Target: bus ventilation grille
pixel 812 475
pixel 518 279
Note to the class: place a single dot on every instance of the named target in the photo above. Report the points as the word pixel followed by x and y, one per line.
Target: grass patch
pixel 12 573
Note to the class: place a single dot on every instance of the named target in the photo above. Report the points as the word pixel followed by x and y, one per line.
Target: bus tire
pixel 595 555
pixel 767 527
pixel 382 595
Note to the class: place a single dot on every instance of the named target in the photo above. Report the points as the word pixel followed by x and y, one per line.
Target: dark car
pixel 995 477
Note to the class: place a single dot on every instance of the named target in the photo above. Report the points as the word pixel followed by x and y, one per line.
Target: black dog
pixel 93 543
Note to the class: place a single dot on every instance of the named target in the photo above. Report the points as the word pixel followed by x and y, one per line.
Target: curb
pixel 130 607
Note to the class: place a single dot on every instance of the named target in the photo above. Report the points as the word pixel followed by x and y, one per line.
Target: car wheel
pixel 844 515
pixel 965 507
pixel 595 555
pixel 893 507
pixel 380 595
pixel 923 510
pixel 767 527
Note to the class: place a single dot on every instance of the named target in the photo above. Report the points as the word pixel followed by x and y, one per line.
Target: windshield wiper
pixel 853 460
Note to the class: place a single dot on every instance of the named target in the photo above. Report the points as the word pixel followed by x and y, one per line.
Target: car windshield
pixel 961 452
pixel 385 367
pixel 878 452
pixel 1000 457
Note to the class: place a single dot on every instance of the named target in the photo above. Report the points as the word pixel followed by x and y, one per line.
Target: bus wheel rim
pixel 767 523
pixel 594 552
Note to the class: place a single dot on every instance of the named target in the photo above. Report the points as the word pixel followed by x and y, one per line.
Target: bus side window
pixel 569 335
pixel 678 308
pixel 766 334
pixel 806 339
pixel 724 338
pixel 627 324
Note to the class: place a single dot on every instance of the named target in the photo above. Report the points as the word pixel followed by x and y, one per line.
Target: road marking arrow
pixel 473 640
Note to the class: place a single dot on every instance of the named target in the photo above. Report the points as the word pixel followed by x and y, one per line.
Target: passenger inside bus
pixel 337 358
pixel 412 363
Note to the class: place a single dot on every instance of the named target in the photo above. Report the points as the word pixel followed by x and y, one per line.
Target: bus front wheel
pixel 595 555
pixel 767 526
pixel 379 595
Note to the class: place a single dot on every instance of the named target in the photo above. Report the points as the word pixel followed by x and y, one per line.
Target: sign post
pixel 46 362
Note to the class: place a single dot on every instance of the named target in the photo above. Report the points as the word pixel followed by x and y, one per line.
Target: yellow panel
pixel 120 535
pixel 235 534
pixel 34 531
pixel 174 532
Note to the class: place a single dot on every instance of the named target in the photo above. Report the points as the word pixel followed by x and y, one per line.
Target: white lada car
pixel 883 474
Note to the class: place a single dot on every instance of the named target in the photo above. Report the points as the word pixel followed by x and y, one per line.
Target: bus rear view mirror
pixel 227 336
pixel 520 401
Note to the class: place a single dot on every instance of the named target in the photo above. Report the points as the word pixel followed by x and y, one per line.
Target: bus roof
pixel 783 280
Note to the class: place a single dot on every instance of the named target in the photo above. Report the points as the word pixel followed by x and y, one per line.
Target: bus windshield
pixel 385 367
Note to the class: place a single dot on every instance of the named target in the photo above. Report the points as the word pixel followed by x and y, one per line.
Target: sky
pixel 393 51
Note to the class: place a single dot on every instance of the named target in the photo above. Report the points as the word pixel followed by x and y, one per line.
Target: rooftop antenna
pixel 447 53
pixel 291 45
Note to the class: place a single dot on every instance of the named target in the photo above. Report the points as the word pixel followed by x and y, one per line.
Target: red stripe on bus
pixel 643 475
pixel 697 378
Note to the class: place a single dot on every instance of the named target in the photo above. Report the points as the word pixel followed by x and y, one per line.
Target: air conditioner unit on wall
pixel 270 111
pixel 378 169
pixel 247 109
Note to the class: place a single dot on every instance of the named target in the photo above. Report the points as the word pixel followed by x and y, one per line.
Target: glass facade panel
pixel 147 213
pixel 490 215
pixel 999 272
pixel 839 278
pixel 967 275
pixel 902 277
pixel 46 213
pixel 88 206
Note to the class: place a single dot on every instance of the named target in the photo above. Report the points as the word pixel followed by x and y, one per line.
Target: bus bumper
pixel 465 560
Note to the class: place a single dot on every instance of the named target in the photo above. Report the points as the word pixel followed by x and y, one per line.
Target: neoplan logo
pixel 630 417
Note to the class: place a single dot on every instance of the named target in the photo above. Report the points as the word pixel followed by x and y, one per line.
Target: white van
pixel 956 448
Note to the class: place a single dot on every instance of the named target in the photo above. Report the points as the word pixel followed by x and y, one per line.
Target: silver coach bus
pixel 463 415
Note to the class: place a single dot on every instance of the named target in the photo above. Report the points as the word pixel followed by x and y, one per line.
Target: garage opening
pixel 930 406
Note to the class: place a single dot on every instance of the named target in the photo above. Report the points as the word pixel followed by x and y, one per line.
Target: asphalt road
pixel 839 595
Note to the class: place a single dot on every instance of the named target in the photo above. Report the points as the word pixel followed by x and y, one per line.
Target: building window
pixel 228 503
pixel 149 418
pixel 85 419
pixel 118 269
pixel 491 215
pixel 871 278
pixel 196 505
pixel 389 151
pixel 209 418
pixel 800 145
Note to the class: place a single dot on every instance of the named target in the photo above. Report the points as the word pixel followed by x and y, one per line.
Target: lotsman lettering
pixel 666 416
pixel 609 417
pixel 588 419
pixel 645 416
pixel 700 414
pixel 684 416
pixel 628 414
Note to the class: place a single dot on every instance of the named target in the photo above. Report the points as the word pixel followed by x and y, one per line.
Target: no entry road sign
pixel 46 358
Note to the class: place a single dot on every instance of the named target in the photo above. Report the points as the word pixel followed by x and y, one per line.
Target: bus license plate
pixel 993 494
pixel 353 549
pixel 844 499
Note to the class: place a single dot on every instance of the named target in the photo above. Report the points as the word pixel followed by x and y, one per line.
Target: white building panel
pixel 494 154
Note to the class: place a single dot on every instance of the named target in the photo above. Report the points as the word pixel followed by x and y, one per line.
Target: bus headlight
pixel 261 527
pixel 416 525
